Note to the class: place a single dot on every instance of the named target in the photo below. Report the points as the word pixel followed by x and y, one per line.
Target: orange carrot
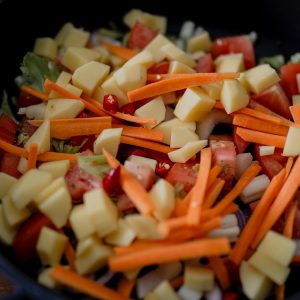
pixel 213 174
pixel 125 286
pixel 32 92
pixel 133 189
pixel 196 202
pixel 295 111
pixel 169 98
pixel 284 197
pixel 219 105
pixel 254 136
pixel 123 52
pixel 177 282
pixel 84 285
pixel 32 156
pixel 70 255
pixel 51 156
pixel 280 292
pixel 289 224
pixel 177 82
pixel 230 209
pixel 213 193
pixel 244 180
pixel 248 233
pixel 288 166
pixel 166 226
pixel 259 125
pixel 221 271
pixel 145 144
pixel 181 207
pixel 158 255
pixel 296 259
pixel 18 151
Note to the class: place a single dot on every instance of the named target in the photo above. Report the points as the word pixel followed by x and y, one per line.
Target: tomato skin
pixel 288 78
pixel 205 64
pixel 160 68
pixel 9 165
pixel 26 100
pixel 240 144
pixel 140 36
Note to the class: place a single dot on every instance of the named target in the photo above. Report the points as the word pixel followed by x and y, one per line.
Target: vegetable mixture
pixel 148 167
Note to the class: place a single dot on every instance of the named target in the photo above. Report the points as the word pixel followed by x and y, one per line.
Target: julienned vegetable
pixel 129 164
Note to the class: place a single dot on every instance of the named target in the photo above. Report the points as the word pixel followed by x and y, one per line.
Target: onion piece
pixel 185 293
pixel 231 233
pixel 229 221
pixel 214 294
pixel 187 30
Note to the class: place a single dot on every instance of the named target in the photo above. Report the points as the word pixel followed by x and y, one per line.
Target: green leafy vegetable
pixel 179 190
pixel 62 146
pixel 275 61
pixel 295 58
pixel 93 164
pixel 22 138
pixel 7 107
pixel 36 69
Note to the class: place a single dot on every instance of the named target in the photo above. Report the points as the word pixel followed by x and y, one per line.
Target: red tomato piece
pixel 78 140
pixel 288 78
pixel 140 36
pixel 235 44
pixel 27 100
pixel 10 125
pixel 160 68
pixel 205 64
pixel 9 165
pixel 240 144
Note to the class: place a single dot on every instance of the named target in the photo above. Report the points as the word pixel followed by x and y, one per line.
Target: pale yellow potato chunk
pixel 201 42
pixel 181 136
pixel 178 67
pixel 75 37
pixel 63 79
pixel 229 63
pixel 63 32
pixel 57 168
pixel 266 150
pixel 7 232
pixel 292 146
pixel 47 280
pixel 63 108
pixel 46 47
pixel 165 291
pixel 155 46
pixel 198 278
pixel 143 161
pixel 213 90
pixel 6 182
pixel 144 58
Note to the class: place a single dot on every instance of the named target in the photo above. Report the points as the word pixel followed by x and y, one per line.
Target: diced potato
pixel 76 57
pixel 104 54
pixel 63 32
pixel 63 79
pixel 283 248
pixel 165 291
pixel 75 38
pixel 63 108
pixel 6 182
pixel 196 55
pixel 182 135
pixel 166 128
pixel 151 296
pixel 296 99
pixel 144 58
pixel 144 227
pixel 116 61
pixel 47 280
pixel 93 258
pixel 36 111
pixel 99 94
pixel 255 284
pixel 162 195
pixel 183 154
pixel 230 63
pixel 46 47
pixel 28 186
pixel 198 278
pixel 80 222
pixel 186 293
pixel 57 168
pixel 22 165
pixel 269 267
pixel 266 150
pixel 102 211
pixel 108 139
pixel 131 77
pixel 7 232
pixel 261 77
pixel 244 82
pixel 174 53
pixel 155 46
pixel 57 207
pixel 12 215
pixel 201 42
pixel 88 76
pixel 291 147
pixel 73 89
pixel 154 109
pixel 122 236
pixel 50 246
pixel 178 67
pixel 143 161
pixel 41 137
pixel 213 90
pixel 193 105
pixel 233 96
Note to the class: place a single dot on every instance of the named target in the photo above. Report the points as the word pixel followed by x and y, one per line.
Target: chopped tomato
pixel 140 36
pixel 10 125
pixel 235 44
pixel 160 68
pixel 288 78
pixel 9 165
pixel 240 144
pixel 124 204
pixel 27 100
pixel 78 140
pixel 230 296
pixel 275 99
pixel 205 64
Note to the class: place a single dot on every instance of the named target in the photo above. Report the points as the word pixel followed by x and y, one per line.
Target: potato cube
pixel 283 248
pixel 186 293
pixel 182 135
pixel 7 232
pixel 255 284
pixel 73 89
pixel 50 246
pixel 213 90
pixel 108 139
pixel 63 32
pixel 36 111
pixel 57 168
pixel 162 194
pixel 291 146
pixel 99 94
pixel 144 58
pixel 193 105
pixel 63 79
pixel 186 152
pixel 155 46
pixel 198 278
pixel 47 280
pixel 178 67
pixel 88 76
pixel 143 161
pixel 63 108
pixel 6 182
pixel 296 99
pixel 233 96
pixel 165 291
pixel 22 165
pixel 261 77
pixel 57 207
pixel 46 47
pixel 266 150
pixel 104 54
pixel 244 82
pixel 41 137
pixel 75 37
pixel 198 42
pixel 230 63
pixel 28 186
pixel 151 296
pixel 132 17
pixel 154 109
pixel 102 211
pixel 116 61
pixel 269 267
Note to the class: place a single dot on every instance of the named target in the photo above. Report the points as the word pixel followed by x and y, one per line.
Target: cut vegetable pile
pixel 145 168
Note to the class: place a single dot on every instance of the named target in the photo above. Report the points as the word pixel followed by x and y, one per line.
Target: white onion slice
pixel 186 293
pixel 214 294
pixel 187 30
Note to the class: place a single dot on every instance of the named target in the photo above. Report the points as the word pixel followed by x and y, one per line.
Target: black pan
pixel 275 21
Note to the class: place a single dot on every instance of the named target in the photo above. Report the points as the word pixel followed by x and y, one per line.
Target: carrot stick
pixel 145 144
pixel 18 151
pixel 84 285
pixel 213 193
pixel 289 224
pixel 252 226
pixel 259 125
pixel 296 259
pixel 133 189
pixel 254 136
pixel 177 282
pixel 244 180
pixel 123 52
pixel 32 156
pixel 157 255
pixel 125 286
pixel 230 209
pixel 213 174
pixel 284 197
pixel 280 292
pixel 70 255
pixel 221 272
pixel 288 166
pixel 32 92
pixel 295 111
pixel 196 202
pixel 175 83
pixel 51 156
